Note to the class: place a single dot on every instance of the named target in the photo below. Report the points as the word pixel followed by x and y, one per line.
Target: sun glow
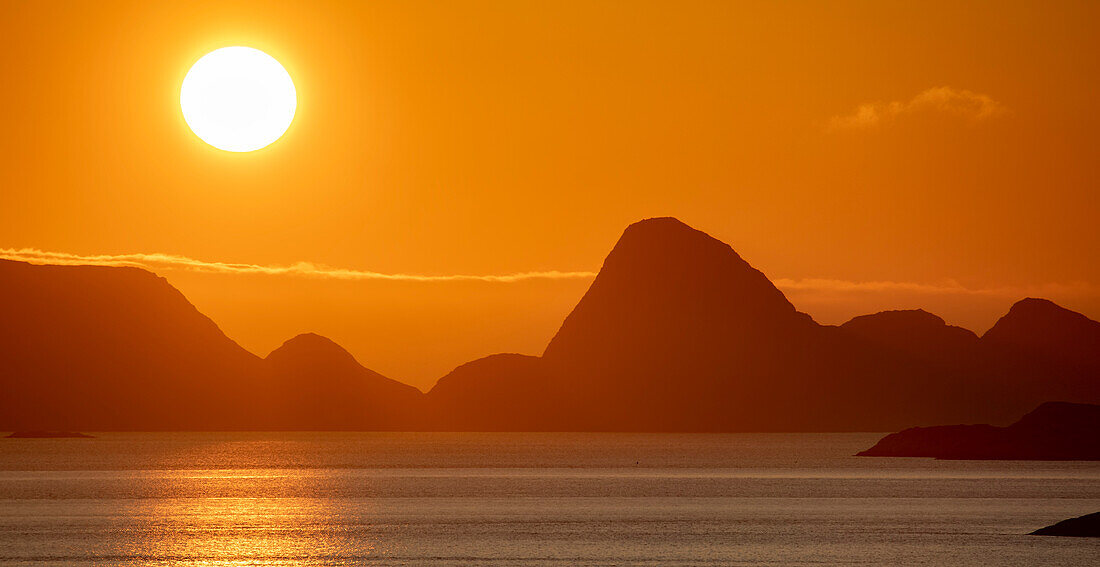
pixel 238 99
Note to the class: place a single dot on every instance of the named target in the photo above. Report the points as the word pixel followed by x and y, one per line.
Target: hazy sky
pixel 865 155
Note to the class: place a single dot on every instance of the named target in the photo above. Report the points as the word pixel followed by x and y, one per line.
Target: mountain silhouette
pixel 1042 328
pixel 676 333
pixel 316 384
pixel 1053 431
pixel 915 332
pixel 1040 350
pixel 108 348
pixel 498 392
pixel 673 333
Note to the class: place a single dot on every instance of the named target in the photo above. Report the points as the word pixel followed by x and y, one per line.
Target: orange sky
pixel 949 149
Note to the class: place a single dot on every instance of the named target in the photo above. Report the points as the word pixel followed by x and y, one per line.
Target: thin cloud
pixel 157 261
pixel 963 103
pixel 814 286
pixel 949 287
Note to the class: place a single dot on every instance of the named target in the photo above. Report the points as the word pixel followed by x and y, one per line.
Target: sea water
pixel 260 499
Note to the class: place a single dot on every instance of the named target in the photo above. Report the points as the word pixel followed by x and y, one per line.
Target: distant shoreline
pixel 48 435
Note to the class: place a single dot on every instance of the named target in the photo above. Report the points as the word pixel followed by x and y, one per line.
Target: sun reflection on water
pixel 220 531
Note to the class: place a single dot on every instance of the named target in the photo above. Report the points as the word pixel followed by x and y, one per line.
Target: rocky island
pixel 1081 526
pixel 1055 431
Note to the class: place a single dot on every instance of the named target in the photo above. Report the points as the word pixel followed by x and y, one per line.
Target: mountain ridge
pixel 677 332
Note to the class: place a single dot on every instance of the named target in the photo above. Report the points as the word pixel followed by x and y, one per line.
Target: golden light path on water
pixel 230 532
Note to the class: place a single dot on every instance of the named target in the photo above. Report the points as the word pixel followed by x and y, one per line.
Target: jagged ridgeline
pixel 676 333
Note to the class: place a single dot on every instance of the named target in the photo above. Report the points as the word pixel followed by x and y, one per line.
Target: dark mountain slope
pixel 916 332
pixel 1045 329
pixel 88 347
pixel 1042 351
pixel 678 332
pixel 501 392
pixel 319 385
pixel 108 348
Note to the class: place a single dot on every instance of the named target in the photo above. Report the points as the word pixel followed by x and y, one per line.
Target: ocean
pixel 304 498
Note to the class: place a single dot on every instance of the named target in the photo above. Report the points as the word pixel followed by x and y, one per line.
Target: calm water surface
pixel 259 499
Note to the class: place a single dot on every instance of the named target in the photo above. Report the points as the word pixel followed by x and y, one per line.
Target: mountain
pixel 117 348
pixel 316 384
pixel 105 348
pixel 501 392
pixel 944 368
pixel 669 308
pixel 914 332
pixel 679 333
pixel 1043 329
pixel 676 333
pixel 1053 431
pixel 1043 351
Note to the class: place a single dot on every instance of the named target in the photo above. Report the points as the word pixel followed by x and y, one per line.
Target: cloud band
pixel 160 261
pixel 156 261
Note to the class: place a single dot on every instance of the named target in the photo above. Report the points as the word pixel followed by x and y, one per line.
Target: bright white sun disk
pixel 238 99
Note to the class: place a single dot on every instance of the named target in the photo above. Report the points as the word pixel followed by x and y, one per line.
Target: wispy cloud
pixel 948 287
pixel 802 287
pixel 158 261
pixel 963 103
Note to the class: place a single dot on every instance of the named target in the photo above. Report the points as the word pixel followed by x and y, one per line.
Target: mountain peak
pixel 911 330
pixel 660 224
pixel 1037 306
pixel 663 255
pixel 1043 327
pixel 1040 319
pixel 313 348
pixel 311 340
pixel 322 384
pixel 667 235
pixel 909 317
pixel 673 289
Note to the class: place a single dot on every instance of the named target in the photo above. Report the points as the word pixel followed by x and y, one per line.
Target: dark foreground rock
pixel 49 435
pixel 1055 431
pixel 1083 526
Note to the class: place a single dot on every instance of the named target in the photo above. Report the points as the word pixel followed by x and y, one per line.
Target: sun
pixel 238 99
